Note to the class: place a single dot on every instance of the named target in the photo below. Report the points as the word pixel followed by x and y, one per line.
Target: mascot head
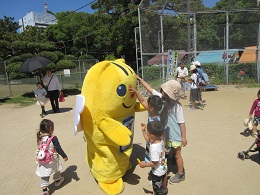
pixel 106 87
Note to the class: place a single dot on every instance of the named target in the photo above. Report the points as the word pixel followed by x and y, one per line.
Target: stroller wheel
pixel 241 155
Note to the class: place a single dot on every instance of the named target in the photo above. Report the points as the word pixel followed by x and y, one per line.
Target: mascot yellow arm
pixel 139 107
pixel 114 130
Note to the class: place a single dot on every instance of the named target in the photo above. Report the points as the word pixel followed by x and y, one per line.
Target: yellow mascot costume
pixel 105 111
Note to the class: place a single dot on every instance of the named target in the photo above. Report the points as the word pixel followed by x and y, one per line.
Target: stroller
pixel 244 155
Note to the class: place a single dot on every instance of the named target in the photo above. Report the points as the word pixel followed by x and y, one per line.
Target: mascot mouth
pixel 127 106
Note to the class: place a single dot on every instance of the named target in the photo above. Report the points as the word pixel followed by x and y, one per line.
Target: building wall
pixel 36 19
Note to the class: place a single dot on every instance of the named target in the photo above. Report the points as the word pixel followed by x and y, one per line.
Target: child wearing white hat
pixel 176 130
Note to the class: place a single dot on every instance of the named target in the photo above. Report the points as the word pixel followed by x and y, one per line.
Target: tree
pixel 7 35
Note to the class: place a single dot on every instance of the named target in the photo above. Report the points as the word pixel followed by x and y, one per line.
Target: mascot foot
pixel 112 188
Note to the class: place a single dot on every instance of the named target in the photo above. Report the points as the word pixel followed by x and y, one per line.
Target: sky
pixel 19 8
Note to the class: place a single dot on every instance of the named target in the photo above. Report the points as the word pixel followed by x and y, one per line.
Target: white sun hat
pixel 196 63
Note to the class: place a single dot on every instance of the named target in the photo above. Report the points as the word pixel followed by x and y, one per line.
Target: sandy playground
pixel 215 135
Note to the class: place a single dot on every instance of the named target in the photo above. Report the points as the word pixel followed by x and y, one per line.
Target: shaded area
pixel 29 97
pixel 130 177
pixel 67 92
pixel 69 174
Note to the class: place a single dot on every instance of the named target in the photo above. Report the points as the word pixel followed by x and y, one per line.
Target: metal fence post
pixel 7 80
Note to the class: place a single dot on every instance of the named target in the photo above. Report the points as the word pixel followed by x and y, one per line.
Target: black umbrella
pixel 34 64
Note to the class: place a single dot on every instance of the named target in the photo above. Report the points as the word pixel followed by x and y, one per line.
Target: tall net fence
pixel 69 79
pixel 220 38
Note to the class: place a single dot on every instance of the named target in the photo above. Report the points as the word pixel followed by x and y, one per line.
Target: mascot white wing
pixel 79 107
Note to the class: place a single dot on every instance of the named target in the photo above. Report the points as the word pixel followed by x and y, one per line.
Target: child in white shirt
pixel 40 94
pixel 158 161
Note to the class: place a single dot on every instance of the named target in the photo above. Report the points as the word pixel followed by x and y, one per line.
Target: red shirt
pixel 255 108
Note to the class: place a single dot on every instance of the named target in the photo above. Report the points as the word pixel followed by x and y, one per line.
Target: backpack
pixel 205 78
pixel 198 80
pixel 43 154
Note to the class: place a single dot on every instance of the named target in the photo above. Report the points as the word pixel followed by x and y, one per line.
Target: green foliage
pixel 33 46
pixel 25 56
pixel 33 34
pixel 51 55
pixel 47 46
pixel 13 67
pixel 70 57
pixel 51 66
pixel 217 73
pixel 111 30
pixel 86 57
pixel 13 70
pixel 151 73
pixel 7 25
pixel 14 59
pixel 59 54
pixel 19 45
pixel 110 57
pixel 4 43
pixel 65 64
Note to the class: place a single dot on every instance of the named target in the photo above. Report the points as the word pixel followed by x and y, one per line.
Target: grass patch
pixel 28 99
pixel 20 100
pixel 250 85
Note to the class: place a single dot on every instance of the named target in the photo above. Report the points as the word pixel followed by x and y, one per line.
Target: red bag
pixel 61 98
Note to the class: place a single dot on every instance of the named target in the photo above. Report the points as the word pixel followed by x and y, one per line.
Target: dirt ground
pixel 215 136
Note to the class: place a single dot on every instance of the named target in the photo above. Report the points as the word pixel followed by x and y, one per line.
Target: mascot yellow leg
pixel 112 188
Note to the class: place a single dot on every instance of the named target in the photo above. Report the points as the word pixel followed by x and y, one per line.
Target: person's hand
pixel 142 164
pixel 167 151
pixel 65 159
pixel 184 142
pixel 143 126
pixel 132 89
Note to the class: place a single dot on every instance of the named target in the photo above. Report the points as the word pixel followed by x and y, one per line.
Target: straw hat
pixel 172 89
pixel 248 122
pixel 192 67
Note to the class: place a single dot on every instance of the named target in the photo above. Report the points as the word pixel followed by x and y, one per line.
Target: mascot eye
pixel 121 90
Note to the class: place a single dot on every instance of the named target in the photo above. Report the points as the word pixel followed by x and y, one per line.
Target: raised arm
pixel 145 84
pixel 139 97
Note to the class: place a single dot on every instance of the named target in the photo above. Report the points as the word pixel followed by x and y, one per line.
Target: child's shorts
pixel 157 182
pixel 171 144
pixel 256 119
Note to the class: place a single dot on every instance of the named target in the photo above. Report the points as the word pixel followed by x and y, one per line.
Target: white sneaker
pixel 191 108
pixel 58 183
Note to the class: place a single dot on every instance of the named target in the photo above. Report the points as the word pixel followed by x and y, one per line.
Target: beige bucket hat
pixel 192 67
pixel 172 89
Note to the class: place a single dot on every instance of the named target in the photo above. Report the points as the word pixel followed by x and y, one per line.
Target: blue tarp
pixel 213 56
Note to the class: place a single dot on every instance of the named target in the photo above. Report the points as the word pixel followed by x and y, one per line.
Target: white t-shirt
pixel 157 154
pixel 194 78
pixel 181 72
pixel 54 83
